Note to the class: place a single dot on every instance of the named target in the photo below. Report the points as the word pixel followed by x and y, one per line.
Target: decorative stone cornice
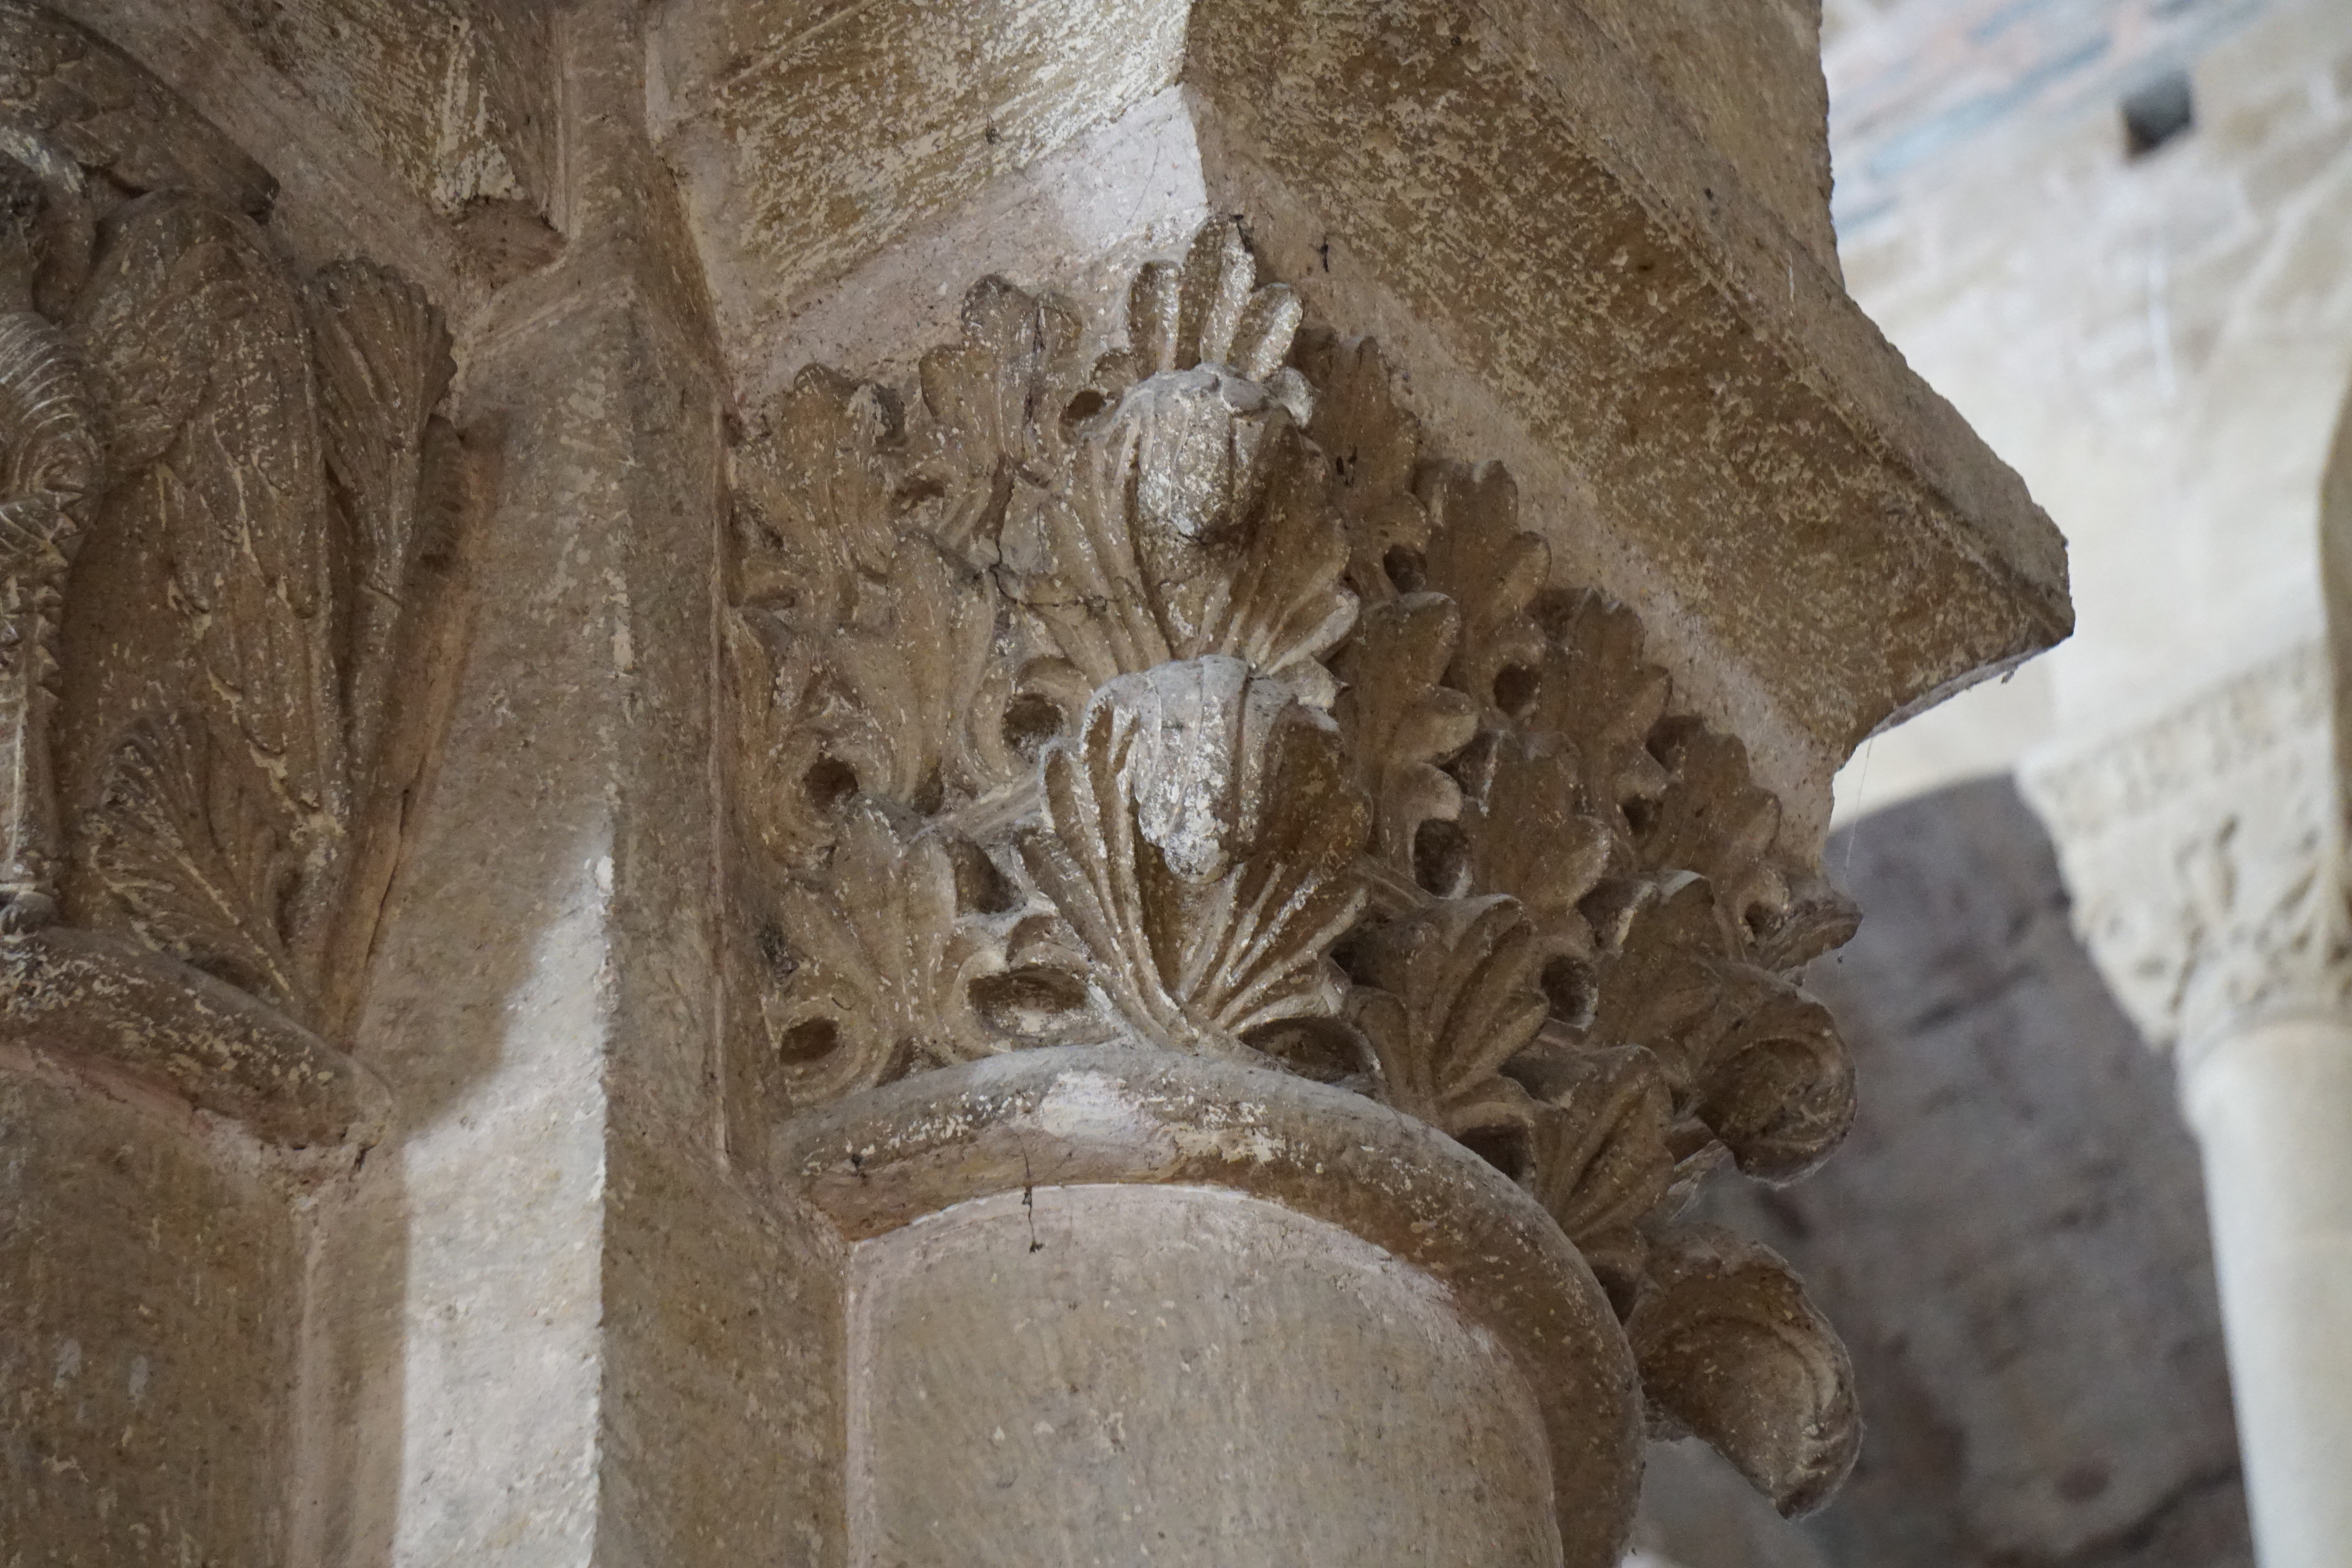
pixel 1172 693
pixel 2204 853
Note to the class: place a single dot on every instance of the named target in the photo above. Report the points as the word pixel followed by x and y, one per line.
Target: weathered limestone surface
pixel 421 132
pixel 601 1343
pixel 1011 1360
pixel 1749 82
pixel 750 829
pixel 1613 297
pixel 808 137
pixel 152 1275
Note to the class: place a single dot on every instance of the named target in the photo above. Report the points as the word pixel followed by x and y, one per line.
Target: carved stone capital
pixel 2204 852
pixel 1166 690
pixel 227 502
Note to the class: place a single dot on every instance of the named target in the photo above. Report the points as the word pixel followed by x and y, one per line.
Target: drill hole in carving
pixel 1441 857
pixel 1609 910
pixel 1029 1002
pixel 1324 1050
pixel 809 1041
pixel 980 888
pixel 1514 689
pixel 1505 1148
pixel 1405 569
pixel 1572 989
pixel 1030 722
pixel 829 782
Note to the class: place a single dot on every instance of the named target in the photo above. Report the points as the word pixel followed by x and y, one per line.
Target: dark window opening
pixel 2156 113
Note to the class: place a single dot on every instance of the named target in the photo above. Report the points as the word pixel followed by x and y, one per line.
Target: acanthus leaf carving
pixel 1733 1351
pixel 999 405
pixel 1479 557
pixel 923 723
pixel 1401 725
pixel 886 976
pixel 1207 311
pixel 220 483
pixel 1598 685
pixel 1372 447
pixel 1750 1058
pixel 1253 727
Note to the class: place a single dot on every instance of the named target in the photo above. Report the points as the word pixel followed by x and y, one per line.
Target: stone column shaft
pixel 2271 1104
pixel 2205 854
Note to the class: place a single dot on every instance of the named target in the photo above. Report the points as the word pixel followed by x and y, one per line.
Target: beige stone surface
pixel 807 137
pixel 1621 296
pixel 453 97
pixel 1044 1120
pixel 1101 1375
pixel 426 142
pixel 1749 79
pixel 585 1300
pixel 150 1280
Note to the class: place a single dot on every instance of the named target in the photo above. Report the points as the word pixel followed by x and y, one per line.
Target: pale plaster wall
pixel 2159 345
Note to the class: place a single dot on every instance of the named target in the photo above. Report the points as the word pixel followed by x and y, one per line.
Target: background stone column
pixel 2204 851
pixel 2271 1103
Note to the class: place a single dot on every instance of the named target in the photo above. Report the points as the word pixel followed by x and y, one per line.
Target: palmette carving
pixel 202 346
pixel 1188 699
pixel 217 487
pixel 189 836
pixel 382 367
pixel 1200 837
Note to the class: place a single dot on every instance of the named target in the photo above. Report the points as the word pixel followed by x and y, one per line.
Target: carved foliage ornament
pixel 1178 694
pixel 220 499
pixel 2202 848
